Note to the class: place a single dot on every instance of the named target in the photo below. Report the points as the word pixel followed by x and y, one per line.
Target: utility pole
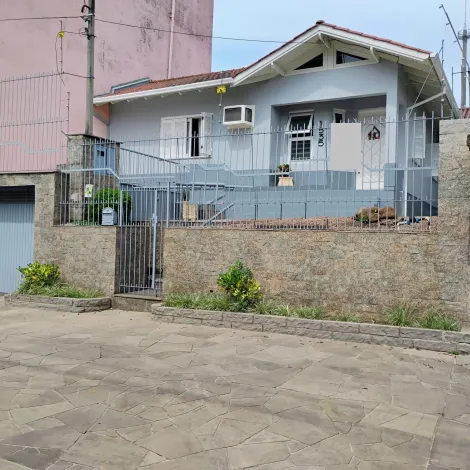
pixel 463 77
pixel 465 69
pixel 90 33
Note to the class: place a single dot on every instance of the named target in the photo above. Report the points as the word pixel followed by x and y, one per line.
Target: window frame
pixel 339 111
pixel 187 145
pixel 353 51
pixel 300 135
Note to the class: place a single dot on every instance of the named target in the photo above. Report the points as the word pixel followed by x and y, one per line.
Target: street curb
pixel 419 338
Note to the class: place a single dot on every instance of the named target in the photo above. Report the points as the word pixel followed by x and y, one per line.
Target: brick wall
pixel 342 271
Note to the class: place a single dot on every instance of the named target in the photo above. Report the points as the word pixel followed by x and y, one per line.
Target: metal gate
pixel 141 242
pixel 16 233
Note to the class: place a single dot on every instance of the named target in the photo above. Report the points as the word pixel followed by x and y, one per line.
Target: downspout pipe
pixel 172 33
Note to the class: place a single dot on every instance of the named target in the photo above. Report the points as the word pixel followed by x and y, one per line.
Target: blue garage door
pixel 16 233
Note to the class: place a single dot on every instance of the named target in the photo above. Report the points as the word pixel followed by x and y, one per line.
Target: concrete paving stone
pixel 81 419
pixel 193 419
pixel 36 458
pixel 418 397
pixel 171 442
pixel 153 414
pixel 133 434
pixel 6 465
pixel 273 378
pixel 99 394
pixel 344 411
pixel 44 423
pixel 391 466
pixel 416 423
pixel 151 458
pixel 307 424
pixel 8 429
pixel 249 455
pixel 210 460
pixel 329 452
pixel 112 419
pixel 229 432
pixel 51 397
pixel 61 437
pixel 451 445
pixel 27 415
pixel 104 452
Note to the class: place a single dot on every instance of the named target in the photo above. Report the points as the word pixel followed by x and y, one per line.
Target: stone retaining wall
pixel 433 340
pixel 341 271
pixel 61 304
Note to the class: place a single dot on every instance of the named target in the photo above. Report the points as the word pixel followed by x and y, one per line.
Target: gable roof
pixel 267 67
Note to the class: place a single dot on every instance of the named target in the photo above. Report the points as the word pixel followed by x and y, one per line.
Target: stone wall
pixel 88 257
pixel 454 216
pixel 342 271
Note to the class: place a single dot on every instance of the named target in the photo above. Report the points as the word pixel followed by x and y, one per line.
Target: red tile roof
pixel 204 77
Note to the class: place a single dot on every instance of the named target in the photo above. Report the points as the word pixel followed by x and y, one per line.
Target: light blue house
pixel 356 118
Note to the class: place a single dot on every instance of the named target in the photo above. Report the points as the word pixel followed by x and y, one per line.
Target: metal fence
pixel 369 175
pixel 33 123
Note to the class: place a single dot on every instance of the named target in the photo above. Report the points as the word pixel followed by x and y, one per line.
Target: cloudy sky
pixel 418 23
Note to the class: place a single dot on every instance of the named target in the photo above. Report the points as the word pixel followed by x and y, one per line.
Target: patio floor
pixel 119 391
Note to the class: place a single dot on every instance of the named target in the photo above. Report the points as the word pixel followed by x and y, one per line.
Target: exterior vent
pixel 239 117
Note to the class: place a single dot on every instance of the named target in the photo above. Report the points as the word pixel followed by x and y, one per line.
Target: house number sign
pixel 321 134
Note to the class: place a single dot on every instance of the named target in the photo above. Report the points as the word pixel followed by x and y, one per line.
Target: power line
pixel 40 18
pixel 208 36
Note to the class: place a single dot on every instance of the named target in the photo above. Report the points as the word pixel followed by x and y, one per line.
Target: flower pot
pixel 285 181
pixel 189 211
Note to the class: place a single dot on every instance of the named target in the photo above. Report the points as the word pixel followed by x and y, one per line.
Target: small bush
pixel 200 301
pixel 44 279
pixel 438 321
pixel 240 285
pixel 402 315
pixel 60 290
pixel 39 275
pixel 109 197
pixel 348 317
pixel 313 313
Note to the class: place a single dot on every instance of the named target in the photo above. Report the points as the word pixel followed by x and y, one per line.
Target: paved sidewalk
pixel 120 391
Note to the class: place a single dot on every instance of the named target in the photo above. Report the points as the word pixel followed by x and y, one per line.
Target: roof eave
pixel 100 100
pixel 331 33
pixel 437 66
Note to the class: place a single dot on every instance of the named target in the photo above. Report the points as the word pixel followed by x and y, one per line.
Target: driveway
pixel 119 391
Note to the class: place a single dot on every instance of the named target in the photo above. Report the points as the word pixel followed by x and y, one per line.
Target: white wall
pixel 140 119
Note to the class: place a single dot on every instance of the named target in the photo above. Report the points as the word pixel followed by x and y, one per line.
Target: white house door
pixel 374 149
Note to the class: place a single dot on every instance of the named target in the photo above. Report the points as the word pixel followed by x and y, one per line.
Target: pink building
pixel 122 53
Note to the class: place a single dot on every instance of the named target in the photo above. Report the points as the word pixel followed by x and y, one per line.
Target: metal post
pixel 463 77
pixel 90 69
pixel 154 257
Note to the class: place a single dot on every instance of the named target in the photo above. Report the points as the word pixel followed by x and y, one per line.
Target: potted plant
pixel 284 179
pixel 189 210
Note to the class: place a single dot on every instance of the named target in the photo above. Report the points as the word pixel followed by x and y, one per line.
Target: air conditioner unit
pixel 239 117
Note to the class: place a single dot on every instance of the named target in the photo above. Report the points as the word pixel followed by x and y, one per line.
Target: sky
pixel 419 23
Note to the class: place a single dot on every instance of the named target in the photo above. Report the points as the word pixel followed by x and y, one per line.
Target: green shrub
pixel 240 285
pixel 109 197
pixel 39 275
pixel 313 313
pixel 438 321
pixel 403 315
pixel 347 317
pixel 200 301
pixel 60 290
